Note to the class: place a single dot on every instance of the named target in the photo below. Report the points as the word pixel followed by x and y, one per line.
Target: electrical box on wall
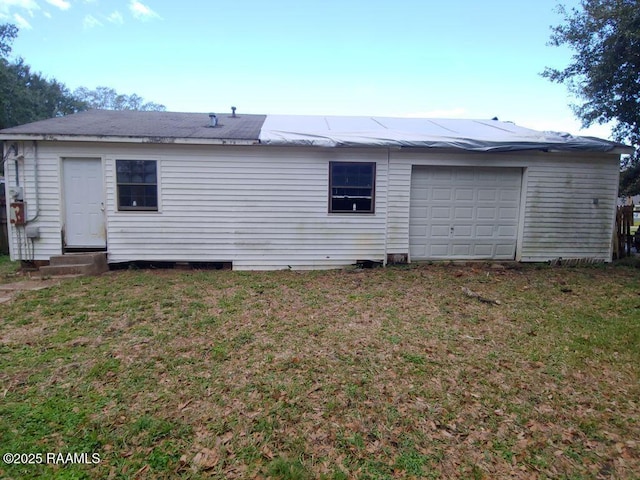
pixel 15 193
pixel 17 213
pixel 32 232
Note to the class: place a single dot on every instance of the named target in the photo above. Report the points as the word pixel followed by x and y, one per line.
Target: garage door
pixel 464 213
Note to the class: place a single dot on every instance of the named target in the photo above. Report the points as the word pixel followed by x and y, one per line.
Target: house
pixel 305 192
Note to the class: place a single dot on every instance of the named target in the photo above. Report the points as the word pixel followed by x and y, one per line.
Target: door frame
pixel 63 208
pixel 490 165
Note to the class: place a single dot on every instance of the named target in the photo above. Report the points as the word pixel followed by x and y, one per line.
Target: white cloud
pixel 116 17
pixel 61 4
pixel 90 21
pixel 6 6
pixel 142 12
pixel 21 22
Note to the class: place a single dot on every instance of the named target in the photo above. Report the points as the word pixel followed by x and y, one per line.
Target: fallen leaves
pixel 205 459
pixel 377 374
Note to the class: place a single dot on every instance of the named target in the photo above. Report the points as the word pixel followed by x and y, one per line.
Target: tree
pixel 605 68
pixel 8 34
pixel 106 98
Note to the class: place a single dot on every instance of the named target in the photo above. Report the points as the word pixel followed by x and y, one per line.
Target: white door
pixel 464 213
pixel 83 203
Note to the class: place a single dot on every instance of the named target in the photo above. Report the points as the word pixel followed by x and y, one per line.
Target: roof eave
pixel 125 139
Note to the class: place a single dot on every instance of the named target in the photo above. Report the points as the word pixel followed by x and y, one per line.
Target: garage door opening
pixel 464 213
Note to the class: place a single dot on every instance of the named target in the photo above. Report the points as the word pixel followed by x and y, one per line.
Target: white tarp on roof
pixel 478 135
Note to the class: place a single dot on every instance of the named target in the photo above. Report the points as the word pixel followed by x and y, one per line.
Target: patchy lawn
pixel 367 374
pixel 9 271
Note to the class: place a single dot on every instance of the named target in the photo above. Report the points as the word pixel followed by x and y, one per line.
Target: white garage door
pixel 464 213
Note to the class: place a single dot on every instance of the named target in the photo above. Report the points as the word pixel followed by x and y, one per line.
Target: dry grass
pixel 387 373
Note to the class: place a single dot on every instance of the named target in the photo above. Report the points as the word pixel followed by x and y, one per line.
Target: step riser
pixel 78 259
pixel 76 264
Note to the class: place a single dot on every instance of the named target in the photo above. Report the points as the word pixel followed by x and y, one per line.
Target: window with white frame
pixel 137 182
pixel 352 187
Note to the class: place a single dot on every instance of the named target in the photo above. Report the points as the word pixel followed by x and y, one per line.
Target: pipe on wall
pixel 36 180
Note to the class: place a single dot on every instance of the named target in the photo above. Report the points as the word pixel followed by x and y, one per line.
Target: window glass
pixel 137 184
pixel 351 187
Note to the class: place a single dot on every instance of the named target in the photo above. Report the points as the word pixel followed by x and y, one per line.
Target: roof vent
pixel 213 120
pixel 233 111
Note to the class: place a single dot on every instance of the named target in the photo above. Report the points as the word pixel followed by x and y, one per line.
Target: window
pixel 137 185
pixel 352 187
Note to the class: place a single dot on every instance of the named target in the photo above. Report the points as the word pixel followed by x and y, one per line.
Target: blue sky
pixel 455 58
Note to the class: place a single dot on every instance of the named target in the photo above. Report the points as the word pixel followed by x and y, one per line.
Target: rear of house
pixel 273 192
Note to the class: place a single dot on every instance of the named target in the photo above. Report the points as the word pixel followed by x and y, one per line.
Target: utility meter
pixel 17 213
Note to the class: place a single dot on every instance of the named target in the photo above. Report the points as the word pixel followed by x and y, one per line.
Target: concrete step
pixel 93 263
pixel 78 258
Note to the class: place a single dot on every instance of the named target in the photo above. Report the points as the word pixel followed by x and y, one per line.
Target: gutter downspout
pixel 386 217
pixel 36 180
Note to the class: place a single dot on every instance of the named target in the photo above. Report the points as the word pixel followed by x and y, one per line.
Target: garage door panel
pixel 506 231
pixel 441 194
pixel 418 231
pixel 467 212
pixel 441 231
pixel 461 250
pixel 485 251
pixel 463 213
pixel 464 175
pixel 462 231
pixel 486 213
pixel 462 194
pixel 505 251
pixel 421 194
pixel 487 195
pixel 419 212
pixel 484 230
pixel 508 213
pixel 440 212
pixel 438 251
pixel 510 195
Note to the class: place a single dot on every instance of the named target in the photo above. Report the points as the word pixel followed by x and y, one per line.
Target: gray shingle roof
pixel 152 125
pixel 301 130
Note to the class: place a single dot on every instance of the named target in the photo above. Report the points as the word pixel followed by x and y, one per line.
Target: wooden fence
pixel 4 240
pixel 622 238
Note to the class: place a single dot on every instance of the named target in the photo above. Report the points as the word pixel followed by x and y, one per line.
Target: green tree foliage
pixel 26 96
pixel 8 34
pixel 630 180
pixel 106 98
pixel 605 69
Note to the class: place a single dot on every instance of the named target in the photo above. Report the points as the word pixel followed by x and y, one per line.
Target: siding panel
pixel 261 208
pixel 43 203
pixel 558 215
pixel 266 207
pixel 561 217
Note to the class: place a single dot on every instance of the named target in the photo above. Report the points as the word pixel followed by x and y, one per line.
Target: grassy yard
pixel 367 374
pixel 8 270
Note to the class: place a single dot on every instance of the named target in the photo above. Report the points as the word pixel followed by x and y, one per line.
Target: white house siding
pixel 43 204
pixel 561 218
pixel 258 207
pixel 266 207
pixel 557 214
